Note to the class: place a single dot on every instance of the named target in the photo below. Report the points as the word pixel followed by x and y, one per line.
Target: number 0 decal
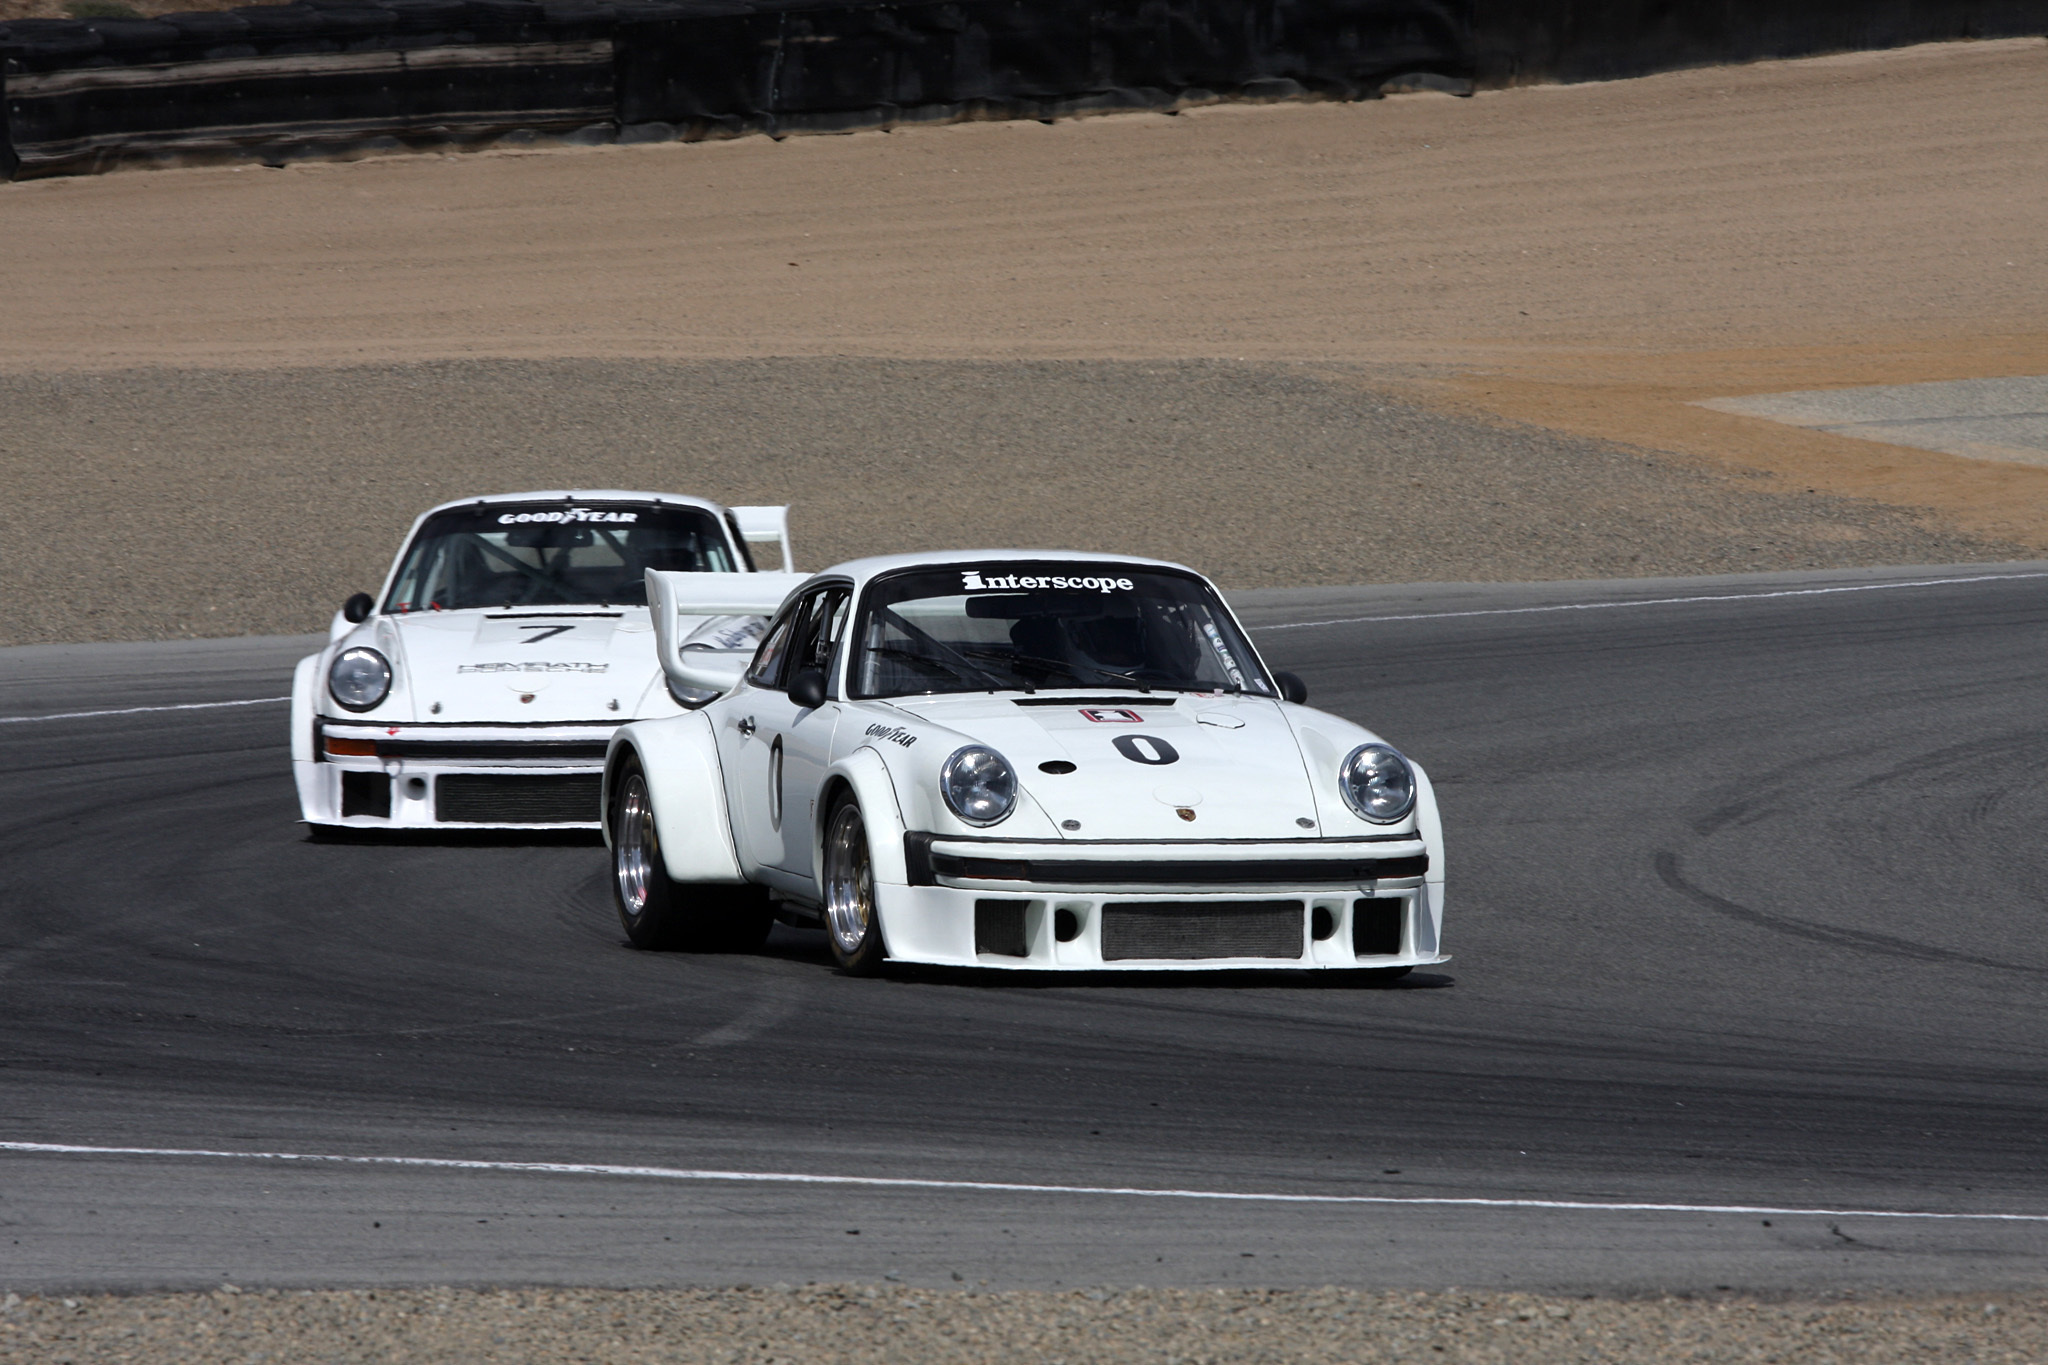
pixel 1149 749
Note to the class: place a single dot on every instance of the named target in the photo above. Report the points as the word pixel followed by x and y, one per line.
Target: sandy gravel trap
pixel 905 1324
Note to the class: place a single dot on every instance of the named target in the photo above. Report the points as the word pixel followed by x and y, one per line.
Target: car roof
pixel 579 495
pixel 862 570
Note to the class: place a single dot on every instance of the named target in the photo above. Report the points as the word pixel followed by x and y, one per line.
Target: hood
pixel 1142 766
pixel 523 666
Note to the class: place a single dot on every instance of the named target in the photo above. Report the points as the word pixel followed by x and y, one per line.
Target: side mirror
pixel 807 688
pixel 357 609
pixel 1292 688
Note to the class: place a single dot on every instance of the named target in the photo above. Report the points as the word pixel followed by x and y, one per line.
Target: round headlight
pixel 359 678
pixel 1377 783
pixel 979 785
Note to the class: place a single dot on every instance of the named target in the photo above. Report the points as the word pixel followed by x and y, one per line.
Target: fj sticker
pixel 1215 637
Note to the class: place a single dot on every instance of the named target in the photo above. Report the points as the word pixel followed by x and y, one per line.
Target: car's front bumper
pixel 454 776
pixel 1300 905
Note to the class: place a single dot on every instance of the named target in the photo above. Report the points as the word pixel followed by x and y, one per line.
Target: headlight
pixel 359 678
pixel 1377 783
pixel 979 785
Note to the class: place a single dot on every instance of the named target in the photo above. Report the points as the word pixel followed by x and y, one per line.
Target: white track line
pixel 1658 601
pixel 993 1186
pixel 138 710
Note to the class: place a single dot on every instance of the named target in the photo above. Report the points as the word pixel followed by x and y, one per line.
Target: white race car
pixel 479 688
pixel 1014 759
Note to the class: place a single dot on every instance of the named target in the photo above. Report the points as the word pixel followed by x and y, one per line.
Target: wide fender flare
pixel 1429 821
pixel 867 775
pixel 686 783
pixel 305 705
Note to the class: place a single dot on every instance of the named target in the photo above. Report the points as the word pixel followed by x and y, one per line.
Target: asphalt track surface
pixel 1745 896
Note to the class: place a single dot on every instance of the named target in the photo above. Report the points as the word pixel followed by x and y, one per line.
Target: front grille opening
pixel 1322 922
pixel 1066 925
pixel 999 928
pixel 517 798
pixel 1376 927
pixel 1186 930
pixel 366 794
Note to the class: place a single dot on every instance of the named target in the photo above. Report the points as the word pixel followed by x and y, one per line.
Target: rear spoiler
pixel 766 524
pixel 706 625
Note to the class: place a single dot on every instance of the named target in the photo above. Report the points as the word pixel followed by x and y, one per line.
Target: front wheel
pixel 658 912
pixel 851 923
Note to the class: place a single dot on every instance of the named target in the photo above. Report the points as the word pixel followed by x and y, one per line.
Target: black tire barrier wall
pixel 1584 40
pixel 847 66
pixel 327 75
pixel 287 80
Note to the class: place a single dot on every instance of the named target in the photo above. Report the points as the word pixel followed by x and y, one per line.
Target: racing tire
pixel 853 927
pixel 659 913
pixel 1382 976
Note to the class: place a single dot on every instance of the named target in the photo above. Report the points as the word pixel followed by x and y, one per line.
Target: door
pixel 807 734
pixel 747 756
pixel 775 753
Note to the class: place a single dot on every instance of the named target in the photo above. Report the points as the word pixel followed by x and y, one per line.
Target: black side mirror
pixel 357 609
pixel 807 688
pixel 1292 688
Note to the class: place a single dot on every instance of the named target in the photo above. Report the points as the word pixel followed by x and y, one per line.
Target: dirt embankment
pixel 1587 259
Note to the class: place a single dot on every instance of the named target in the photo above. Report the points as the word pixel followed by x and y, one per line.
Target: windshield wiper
pixel 968 674
pixel 940 648
pixel 1068 667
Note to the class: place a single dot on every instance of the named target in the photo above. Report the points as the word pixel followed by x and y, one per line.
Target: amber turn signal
pixel 353 748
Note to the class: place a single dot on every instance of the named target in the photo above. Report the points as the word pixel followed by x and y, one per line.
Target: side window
pixel 802 639
pixel 739 543
pixel 825 625
pixel 767 669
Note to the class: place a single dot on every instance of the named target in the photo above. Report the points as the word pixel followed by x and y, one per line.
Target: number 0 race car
pixel 1014 759
pixel 511 638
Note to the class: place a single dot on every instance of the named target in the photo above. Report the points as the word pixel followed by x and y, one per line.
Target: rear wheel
pixel 851 923
pixel 658 912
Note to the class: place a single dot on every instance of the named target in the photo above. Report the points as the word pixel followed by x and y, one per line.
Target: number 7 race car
pixel 479 688
pixel 1012 759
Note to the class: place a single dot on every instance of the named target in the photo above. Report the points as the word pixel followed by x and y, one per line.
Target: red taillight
pixel 352 748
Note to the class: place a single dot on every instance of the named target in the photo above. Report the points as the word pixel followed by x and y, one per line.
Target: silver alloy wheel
pixel 634 846
pixel 849 882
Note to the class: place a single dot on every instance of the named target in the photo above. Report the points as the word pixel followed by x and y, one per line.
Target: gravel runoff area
pixel 164 503
pixel 902 1324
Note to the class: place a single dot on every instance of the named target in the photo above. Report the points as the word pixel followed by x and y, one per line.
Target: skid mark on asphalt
pixel 139 710
pixel 1658 601
pixel 1859 940
pixel 762 1014
pixel 508 1021
pixel 987 1186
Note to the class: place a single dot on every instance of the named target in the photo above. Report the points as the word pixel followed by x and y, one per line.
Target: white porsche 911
pixel 1014 759
pixel 511 637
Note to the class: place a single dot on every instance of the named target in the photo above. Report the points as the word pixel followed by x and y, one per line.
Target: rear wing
pixel 766 524
pixel 706 625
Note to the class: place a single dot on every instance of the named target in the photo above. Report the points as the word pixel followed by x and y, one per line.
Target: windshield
pixel 1001 627
pixel 552 555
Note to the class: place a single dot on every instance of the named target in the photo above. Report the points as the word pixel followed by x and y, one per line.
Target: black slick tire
pixel 659 913
pixel 853 927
